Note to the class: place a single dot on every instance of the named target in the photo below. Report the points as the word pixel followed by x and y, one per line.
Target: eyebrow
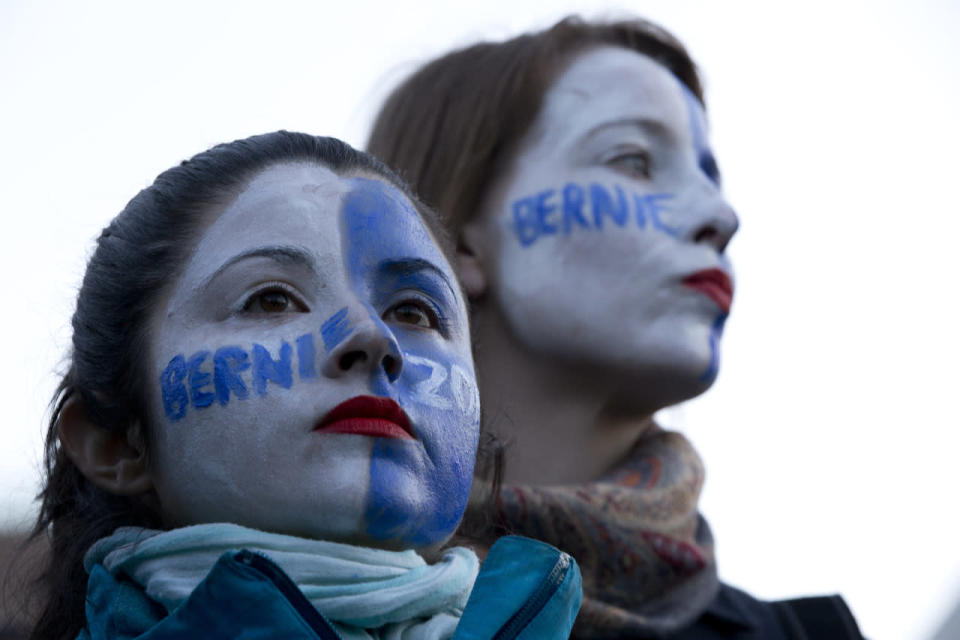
pixel 281 254
pixel 412 266
pixel 706 162
pixel 655 127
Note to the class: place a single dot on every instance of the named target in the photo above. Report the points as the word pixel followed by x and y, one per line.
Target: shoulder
pixel 737 614
pixel 526 589
pixel 244 594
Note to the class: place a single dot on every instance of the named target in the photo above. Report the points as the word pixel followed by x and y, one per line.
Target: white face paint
pixel 611 203
pixel 307 291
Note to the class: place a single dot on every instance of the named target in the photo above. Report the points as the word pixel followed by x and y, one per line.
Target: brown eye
pixel 636 165
pixel 409 313
pixel 272 301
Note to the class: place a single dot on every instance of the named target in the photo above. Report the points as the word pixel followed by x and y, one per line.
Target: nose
pixel 716 225
pixel 368 348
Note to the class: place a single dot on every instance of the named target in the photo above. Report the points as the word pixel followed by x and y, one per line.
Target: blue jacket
pixel 526 590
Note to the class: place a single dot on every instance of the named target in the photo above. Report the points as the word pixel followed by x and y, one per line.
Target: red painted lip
pixel 715 284
pixel 367 416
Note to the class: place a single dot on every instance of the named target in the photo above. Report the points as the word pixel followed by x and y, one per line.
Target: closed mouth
pixel 367 416
pixel 715 284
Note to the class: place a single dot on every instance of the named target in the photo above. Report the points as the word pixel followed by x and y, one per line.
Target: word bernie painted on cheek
pixel 591 207
pixel 208 376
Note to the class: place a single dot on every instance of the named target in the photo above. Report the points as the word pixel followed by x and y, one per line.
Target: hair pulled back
pixel 137 257
pixel 451 127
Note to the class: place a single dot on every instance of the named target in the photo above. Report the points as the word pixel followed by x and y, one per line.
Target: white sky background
pixel 831 436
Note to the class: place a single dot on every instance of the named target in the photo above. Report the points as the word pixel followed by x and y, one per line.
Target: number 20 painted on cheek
pixel 461 383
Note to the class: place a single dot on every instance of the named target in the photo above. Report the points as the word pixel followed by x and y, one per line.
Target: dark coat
pixel 735 615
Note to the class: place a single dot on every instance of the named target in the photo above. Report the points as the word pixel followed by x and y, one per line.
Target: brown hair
pixel 450 128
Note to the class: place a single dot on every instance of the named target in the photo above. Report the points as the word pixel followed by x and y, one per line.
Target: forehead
pixel 278 201
pixel 362 220
pixel 282 205
pixel 608 84
pixel 381 223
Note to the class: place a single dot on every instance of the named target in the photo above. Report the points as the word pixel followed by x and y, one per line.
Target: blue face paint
pixel 534 216
pixel 266 369
pixel 705 159
pixel 418 488
pixel 573 201
pixel 172 390
pixel 228 363
pixel 335 329
pixel 716 332
pixel 605 205
pixel 183 381
pixel 306 357
pixel 418 275
pixel 655 204
pixel 197 380
pixel 708 165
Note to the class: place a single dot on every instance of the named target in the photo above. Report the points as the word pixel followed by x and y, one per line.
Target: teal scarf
pixel 366 593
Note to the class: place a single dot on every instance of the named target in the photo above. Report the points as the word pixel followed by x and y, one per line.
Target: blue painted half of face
pixel 716 332
pixel 701 147
pixel 418 488
pixel 707 164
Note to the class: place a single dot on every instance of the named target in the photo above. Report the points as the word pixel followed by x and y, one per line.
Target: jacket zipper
pixel 307 611
pixel 537 600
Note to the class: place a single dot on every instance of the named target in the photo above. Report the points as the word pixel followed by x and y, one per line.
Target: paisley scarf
pixel 645 552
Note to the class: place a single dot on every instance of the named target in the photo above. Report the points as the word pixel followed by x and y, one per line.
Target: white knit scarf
pixel 366 593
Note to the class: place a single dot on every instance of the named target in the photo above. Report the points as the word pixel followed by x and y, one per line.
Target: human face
pixel 309 290
pixel 603 241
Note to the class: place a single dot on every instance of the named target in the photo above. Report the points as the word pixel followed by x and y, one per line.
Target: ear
pixel 115 462
pixel 470 262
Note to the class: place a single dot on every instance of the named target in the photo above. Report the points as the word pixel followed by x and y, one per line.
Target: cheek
pixel 577 209
pixel 585 276
pixel 433 485
pixel 443 392
pixel 208 380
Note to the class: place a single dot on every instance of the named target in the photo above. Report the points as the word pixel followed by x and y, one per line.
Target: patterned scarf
pixel 645 552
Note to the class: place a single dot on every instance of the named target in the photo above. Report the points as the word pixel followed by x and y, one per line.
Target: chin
pixel 651 377
pixel 402 521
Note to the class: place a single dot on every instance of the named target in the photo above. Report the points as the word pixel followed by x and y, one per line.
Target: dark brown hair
pixel 138 255
pixel 452 126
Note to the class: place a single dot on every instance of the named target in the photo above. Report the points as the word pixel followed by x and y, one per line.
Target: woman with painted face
pixel 270 418
pixel 573 169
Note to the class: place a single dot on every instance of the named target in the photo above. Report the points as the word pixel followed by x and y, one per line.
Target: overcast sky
pixel 831 436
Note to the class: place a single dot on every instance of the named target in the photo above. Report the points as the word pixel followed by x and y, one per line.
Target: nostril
pixel 351 358
pixel 391 366
pixel 706 234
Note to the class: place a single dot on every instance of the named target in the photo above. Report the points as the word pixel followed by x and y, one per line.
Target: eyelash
pixel 616 162
pixel 436 319
pixel 274 287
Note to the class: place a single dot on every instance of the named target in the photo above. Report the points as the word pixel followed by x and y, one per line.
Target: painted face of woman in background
pixel 608 229
pixel 313 369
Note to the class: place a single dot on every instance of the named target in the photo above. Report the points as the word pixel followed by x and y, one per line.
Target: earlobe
pixel 469 263
pixel 115 462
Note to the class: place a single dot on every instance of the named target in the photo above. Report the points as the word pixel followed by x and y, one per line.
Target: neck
pixel 561 423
